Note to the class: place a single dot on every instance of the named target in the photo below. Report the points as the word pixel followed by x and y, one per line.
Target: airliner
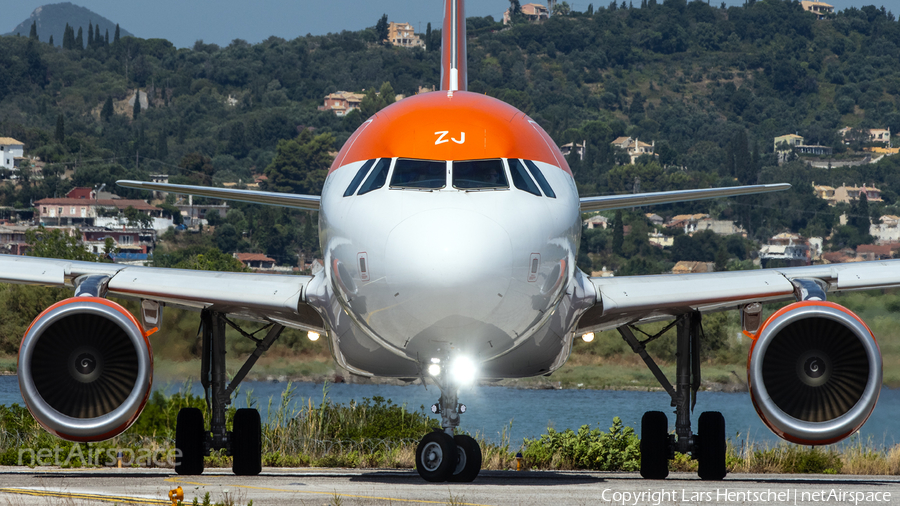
pixel 449 224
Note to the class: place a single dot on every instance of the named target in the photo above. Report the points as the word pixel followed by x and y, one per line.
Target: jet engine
pixel 85 369
pixel 814 372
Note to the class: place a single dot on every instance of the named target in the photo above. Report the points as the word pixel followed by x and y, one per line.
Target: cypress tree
pixel 107 111
pixel 136 111
pixel 90 35
pixel 68 37
pixel 33 34
pixel 60 134
pixel 51 40
pixel 106 42
pixel 116 37
pixel 162 145
pixel 97 40
pixel 618 238
pixel 428 37
pixel 79 39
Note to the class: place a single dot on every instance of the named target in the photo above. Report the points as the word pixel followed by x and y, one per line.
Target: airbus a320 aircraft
pixel 449 224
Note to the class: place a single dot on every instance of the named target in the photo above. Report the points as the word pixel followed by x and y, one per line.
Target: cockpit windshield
pixel 479 175
pixel 419 174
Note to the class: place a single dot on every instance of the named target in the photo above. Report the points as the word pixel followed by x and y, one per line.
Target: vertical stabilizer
pixel 453 46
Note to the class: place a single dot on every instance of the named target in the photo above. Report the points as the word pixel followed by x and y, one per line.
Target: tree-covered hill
pixel 712 86
pixel 51 20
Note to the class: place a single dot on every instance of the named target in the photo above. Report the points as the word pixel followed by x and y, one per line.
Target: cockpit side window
pixel 479 175
pixel 521 178
pixel 377 178
pixel 419 174
pixel 541 180
pixel 357 179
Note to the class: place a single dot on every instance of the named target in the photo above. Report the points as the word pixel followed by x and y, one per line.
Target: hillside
pixel 710 87
pixel 51 19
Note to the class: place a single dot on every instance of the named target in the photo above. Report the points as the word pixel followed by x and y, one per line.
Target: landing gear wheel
pixel 711 454
pixel 246 443
pixel 436 457
pixel 189 439
pixel 654 445
pixel 469 462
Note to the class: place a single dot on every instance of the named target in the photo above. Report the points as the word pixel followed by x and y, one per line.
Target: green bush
pixel 616 450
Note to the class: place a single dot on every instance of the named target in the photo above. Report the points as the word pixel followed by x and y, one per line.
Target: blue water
pixel 491 409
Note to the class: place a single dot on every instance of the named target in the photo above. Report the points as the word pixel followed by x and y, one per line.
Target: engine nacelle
pixel 85 369
pixel 814 372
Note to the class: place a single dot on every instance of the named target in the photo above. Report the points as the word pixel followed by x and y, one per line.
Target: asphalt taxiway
pixel 275 486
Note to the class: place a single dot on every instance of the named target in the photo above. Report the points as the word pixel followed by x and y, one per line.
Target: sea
pixel 515 414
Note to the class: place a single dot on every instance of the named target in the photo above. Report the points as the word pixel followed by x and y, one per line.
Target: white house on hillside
pixel 10 149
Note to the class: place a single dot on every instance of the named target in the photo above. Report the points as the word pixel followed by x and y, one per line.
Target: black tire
pixel 189 439
pixel 469 459
pixel 246 443
pixel 711 454
pixel 436 457
pixel 654 445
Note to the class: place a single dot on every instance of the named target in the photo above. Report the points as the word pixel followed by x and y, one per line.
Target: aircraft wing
pixel 639 299
pixel 261 297
pixel 308 202
pixel 607 202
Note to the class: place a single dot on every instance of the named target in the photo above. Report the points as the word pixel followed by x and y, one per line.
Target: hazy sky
pixel 221 21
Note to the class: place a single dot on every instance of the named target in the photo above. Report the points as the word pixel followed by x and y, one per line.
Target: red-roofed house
pixel 84 211
pixel 256 261
pixel 874 252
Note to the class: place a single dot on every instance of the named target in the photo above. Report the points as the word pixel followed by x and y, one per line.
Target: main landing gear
pixel 441 456
pixel 657 445
pixel 244 442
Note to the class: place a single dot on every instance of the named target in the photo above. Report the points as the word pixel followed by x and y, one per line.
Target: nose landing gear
pixel 441 456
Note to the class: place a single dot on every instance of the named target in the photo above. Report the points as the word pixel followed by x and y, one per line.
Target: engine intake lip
pixel 815 432
pixel 98 427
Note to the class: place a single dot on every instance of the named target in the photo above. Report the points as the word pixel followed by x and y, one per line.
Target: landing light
pixel 434 370
pixel 588 337
pixel 463 370
pixel 313 336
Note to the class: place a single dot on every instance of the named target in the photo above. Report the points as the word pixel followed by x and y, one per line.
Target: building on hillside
pixel 10 149
pixel 867 252
pixel 255 261
pixel 654 219
pixel 886 231
pixel 688 222
pixel 596 221
pixel 719 227
pixel 535 13
pixel 789 250
pixel 82 192
pixel 787 142
pixel 578 149
pixel 824 192
pixel 882 135
pixel 342 102
pixel 660 239
pixel 132 243
pixel 83 211
pixel 12 239
pixel 402 34
pixel 820 9
pixel 686 267
pixel 635 148
pixel 194 215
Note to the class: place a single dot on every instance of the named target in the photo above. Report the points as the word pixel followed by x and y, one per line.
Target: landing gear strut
pixel 657 445
pixel 441 456
pixel 244 443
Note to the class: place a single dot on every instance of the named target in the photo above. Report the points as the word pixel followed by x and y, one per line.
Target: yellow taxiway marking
pixel 294 491
pixel 92 497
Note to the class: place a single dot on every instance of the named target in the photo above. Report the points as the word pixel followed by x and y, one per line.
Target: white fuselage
pixel 413 275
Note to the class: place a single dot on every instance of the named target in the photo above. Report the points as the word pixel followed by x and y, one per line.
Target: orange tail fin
pixel 453 47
